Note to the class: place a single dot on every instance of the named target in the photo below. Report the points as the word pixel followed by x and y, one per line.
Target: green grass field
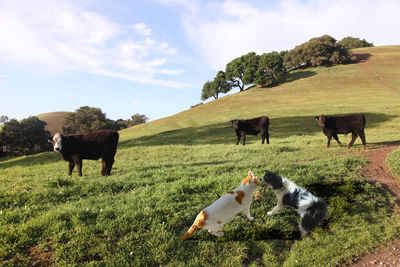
pixel 168 170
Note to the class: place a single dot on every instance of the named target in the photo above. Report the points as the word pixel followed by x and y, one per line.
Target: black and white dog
pixel 312 210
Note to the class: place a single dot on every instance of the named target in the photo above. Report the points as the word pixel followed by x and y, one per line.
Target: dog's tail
pixel 314 214
pixel 198 223
pixel 190 232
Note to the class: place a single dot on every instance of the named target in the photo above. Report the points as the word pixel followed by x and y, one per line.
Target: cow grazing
pixel 343 124
pixel 74 148
pixel 253 127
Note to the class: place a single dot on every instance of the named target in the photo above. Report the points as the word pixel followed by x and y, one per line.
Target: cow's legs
pixel 244 138
pixel 71 166
pixel 238 139
pixel 79 166
pixel 262 136
pixel 337 139
pixel 362 136
pixel 110 164
pixel 103 168
pixel 353 138
pixel 329 140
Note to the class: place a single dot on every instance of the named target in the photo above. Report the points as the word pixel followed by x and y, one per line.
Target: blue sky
pixel 152 57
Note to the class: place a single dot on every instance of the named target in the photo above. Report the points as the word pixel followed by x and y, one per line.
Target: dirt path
pixel 379 77
pixel 376 171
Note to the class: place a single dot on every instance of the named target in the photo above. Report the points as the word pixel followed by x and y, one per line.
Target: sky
pixel 152 57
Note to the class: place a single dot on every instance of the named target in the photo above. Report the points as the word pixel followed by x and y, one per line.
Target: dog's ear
pixel 267 173
pixel 250 174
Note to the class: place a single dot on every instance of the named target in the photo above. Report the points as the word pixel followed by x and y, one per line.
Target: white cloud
pixel 142 29
pixel 57 36
pixel 225 30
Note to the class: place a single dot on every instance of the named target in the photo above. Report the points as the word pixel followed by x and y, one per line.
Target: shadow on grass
pixel 296 75
pixel 361 57
pixel 31 160
pixel 340 195
pixel 223 133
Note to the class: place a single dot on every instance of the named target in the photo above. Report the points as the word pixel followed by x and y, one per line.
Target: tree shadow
pixel 31 160
pixel 361 57
pixel 296 75
pixel 223 132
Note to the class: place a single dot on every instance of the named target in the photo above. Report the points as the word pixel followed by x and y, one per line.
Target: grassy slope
pixel 166 171
pixel 54 120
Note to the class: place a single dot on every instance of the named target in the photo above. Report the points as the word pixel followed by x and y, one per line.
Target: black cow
pixel 74 148
pixel 343 124
pixel 253 127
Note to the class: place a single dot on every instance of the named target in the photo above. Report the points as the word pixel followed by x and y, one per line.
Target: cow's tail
pixel 198 223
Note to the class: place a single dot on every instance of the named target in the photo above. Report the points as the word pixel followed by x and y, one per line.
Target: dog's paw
pixel 251 218
pixel 269 213
pixel 219 234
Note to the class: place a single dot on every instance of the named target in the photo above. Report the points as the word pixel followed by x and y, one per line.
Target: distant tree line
pixel 88 119
pixel 29 136
pixel 269 68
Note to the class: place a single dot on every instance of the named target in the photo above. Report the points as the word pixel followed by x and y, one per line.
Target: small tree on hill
pixel 137 119
pixel 3 119
pixel 217 86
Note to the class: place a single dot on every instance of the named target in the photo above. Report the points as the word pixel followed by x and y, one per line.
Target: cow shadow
pixel 223 132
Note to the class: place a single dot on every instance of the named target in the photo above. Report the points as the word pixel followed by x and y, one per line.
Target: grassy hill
pixel 168 170
pixel 54 120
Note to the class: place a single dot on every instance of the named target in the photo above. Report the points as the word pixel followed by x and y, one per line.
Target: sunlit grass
pixel 166 171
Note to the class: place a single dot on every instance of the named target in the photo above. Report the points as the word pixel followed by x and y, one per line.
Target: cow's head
pixel 321 120
pixel 235 123
pixel 57 142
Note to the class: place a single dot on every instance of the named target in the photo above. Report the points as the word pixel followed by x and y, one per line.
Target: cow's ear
pixel 316 117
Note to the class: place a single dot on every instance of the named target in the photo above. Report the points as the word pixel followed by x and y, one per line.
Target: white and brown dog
pixel 312 210
pixel 225 208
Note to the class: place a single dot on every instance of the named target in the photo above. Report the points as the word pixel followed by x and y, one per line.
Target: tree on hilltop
pixel 352 42
pixel 317 51
pixel 86 119
pixel 219 85
pixel 271 68
pixel 242 70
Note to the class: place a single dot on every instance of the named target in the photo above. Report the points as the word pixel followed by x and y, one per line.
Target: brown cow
pixel 332 125
pixel 252 126
pixel 76 147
